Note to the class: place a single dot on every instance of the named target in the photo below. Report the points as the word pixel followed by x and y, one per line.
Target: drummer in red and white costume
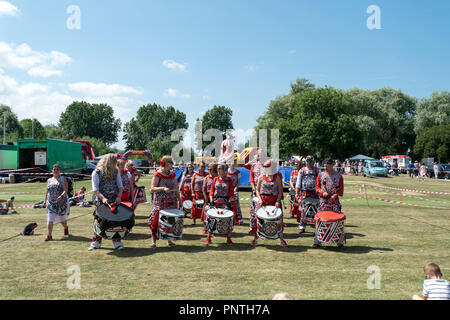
pixel 292 183
pixel 197 186
pixel 235 176
pixel 256 171
pixel 166 195
pixel 185 184
pixel 221 195
pixel 306 188
pixel 269 191
pixel 207 183
pixel 329 187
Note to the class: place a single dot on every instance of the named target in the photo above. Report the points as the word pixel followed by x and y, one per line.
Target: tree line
pixel 323 121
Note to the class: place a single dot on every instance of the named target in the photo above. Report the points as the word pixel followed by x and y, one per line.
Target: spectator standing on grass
pixel 57 202
pixel 434 287
pixel 416 169
pixel 436 170
pixel 134 172
pixel 423 171
pixel 410 169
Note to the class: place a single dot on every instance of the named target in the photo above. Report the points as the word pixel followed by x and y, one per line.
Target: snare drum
pixel 330 227
pixel 187 206
pixel 309 210
pixel 199 204
pixel 219 221
pixel 170 225
pixel 269 222
pixel 113 225
pixel 139 195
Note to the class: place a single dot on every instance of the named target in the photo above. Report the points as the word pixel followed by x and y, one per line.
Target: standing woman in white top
pixel 57 202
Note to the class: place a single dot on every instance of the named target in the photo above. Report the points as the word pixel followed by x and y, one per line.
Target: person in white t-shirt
pixel 436 170
pixel 434 287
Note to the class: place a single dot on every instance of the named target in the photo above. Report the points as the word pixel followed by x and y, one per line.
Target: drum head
pixel 172 212
pixel 187 204
pixel 269 212
pixel 219 213
pixel 123 212
pixel 329 216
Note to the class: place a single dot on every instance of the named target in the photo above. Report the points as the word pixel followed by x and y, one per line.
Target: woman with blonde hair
pixel 108 188
pixel 166 195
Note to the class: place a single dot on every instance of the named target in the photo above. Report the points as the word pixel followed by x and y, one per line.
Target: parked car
pixel 444 171
pixel 90 166
pixel 374 168
pixel 142 165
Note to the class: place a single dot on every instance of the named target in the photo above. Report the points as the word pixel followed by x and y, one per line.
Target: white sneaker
pixel 118 245
pixel 301 229
pixel 94 245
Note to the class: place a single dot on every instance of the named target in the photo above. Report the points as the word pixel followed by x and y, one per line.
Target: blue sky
pixel 197 54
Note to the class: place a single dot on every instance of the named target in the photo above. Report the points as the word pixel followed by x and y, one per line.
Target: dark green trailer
pixel 44 153
pixel 8 157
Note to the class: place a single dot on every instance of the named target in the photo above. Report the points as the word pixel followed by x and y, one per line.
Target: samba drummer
pixel 127 181
pixel 221 195
pixel 185 184
pixel 235 176
pixel 166 195
pixel 256 172
pixel 306 188
pixel 108 188
pixel 269 192
pixel 207 183
pixel 293 181
pixel 197 187
pixel 329 186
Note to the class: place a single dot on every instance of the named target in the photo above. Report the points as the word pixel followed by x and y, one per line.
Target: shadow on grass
pixel 352 235
pixel 162 247
pixel 138 236
pixel 353 249
pixel 76 238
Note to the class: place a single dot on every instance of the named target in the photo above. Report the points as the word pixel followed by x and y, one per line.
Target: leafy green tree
pixel 92 120
pixel 321 124
pixel 218 117
pixel 434 142
pixel 13 129
pixel 27 126
pixel 433 111
pixel 152 129
pixel 282 107
pixel 53 131
pixel 386 119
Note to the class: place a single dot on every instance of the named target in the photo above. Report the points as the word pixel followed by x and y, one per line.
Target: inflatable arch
pixel 138 153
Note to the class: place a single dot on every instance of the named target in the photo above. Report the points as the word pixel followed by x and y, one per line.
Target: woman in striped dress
pixel 269 191
pixel 166 195
pixel 207 183
pixel 197 187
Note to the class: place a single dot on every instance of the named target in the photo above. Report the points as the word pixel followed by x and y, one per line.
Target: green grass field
pixel 398 239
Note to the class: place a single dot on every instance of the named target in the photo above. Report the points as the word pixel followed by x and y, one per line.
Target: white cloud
pixel 206 98
pixel 35 63
pixel 8 9
pixel 175 93
pixel 251 67
pixel 43 72
pixel 170 64
pixel 46 102
pixel 102 89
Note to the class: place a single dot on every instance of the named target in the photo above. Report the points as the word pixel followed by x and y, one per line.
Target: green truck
pixel 8 157
pixel 43 154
